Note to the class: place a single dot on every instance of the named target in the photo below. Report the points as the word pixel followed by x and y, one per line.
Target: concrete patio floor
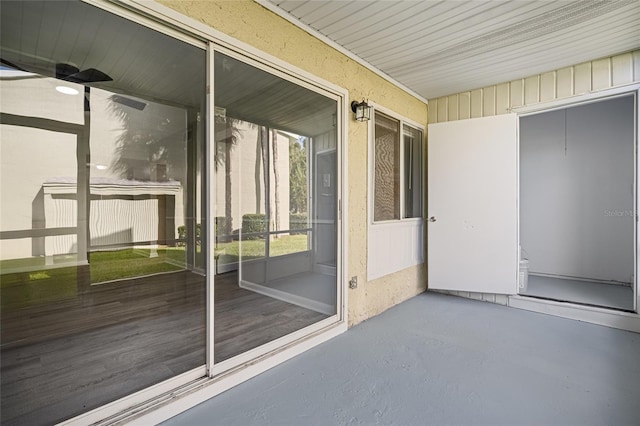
pixel 438 359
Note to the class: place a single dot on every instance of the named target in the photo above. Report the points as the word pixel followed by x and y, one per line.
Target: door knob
pixel 432 219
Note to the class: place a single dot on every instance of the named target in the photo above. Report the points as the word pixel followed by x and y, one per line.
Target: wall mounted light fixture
pixel 362 110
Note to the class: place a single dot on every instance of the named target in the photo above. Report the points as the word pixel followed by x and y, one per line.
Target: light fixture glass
pixel 362 110
pixel 67 90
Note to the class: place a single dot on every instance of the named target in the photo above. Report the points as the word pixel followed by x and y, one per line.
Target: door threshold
pixel 590 305
pixel 623 320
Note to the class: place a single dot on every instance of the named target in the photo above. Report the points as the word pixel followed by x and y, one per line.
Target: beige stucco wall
pixel 588 77
pixel 251 23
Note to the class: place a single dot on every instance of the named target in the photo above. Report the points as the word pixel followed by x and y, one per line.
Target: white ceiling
pixel 149 65
pixel 35 35
pixel 437 48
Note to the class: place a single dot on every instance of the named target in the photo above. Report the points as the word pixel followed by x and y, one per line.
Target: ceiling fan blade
pixel 64 70
pixel 90 75
pixel 11 65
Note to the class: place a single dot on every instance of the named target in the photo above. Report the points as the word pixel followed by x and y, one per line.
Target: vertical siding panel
pixel 564 82
pixel 476 296
pixel 489 297
pixel 442 109
pixel 582 78
pixel 464 106
pixel 601 74
pixel 636 65
pixel 502 98
pixel 532 90
pixel 476 103
pixel 517 93
pixel 502 299
pixel 547 86
pixel 453 107
pixel 622 69
pixel 489 101
pixel 432 109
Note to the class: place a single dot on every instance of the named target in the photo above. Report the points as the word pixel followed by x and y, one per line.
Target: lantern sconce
pixel 362 110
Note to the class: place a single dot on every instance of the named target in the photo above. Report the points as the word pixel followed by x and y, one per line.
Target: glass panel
pixel 324 215
pixel 412 172
pixel 274 274
pixel 386 198
pixel 102 284
pixel 288 193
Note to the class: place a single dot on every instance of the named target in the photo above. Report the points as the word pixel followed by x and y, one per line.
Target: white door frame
pixel 596 315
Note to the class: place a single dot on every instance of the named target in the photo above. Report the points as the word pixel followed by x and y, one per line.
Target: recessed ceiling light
pixel 67 90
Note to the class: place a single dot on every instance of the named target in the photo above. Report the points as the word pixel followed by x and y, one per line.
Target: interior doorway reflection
pixel 276 206
pixel 325 208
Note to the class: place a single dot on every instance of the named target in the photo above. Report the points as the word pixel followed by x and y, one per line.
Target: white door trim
pixel 598 96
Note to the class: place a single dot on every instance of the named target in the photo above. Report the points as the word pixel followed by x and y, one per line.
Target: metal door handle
pixel 432 219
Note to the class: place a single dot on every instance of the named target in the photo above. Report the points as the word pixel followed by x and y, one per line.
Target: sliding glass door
pixel 272 207
pixel 116 168
pixel 102 278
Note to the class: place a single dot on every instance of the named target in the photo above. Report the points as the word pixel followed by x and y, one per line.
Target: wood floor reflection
pixel 66 357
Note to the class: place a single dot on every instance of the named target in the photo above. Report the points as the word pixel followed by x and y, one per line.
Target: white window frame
pixel 397 244
pixel 166 399
pixel 372 146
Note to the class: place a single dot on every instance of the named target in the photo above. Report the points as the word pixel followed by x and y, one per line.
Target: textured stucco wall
pixel 251 23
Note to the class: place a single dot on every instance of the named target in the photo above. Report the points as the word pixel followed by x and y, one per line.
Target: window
pixel 412 185
pixel 397 169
